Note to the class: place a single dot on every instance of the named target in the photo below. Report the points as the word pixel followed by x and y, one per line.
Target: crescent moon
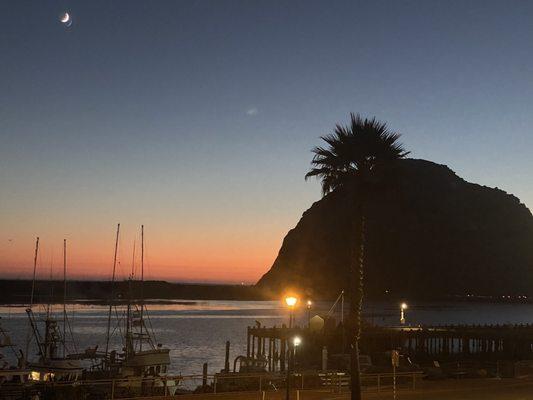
pixel 65 17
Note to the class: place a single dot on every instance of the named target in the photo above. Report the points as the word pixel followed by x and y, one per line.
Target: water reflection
pixel 196 332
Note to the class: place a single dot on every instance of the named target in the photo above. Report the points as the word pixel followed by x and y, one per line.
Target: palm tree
pixel 358 159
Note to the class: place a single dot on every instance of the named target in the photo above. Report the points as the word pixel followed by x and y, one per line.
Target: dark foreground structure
pixel 420 344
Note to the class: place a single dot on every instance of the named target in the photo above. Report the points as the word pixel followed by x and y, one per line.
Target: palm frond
pixel 354 151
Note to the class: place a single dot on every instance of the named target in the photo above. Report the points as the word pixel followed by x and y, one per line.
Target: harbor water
pixel 196 331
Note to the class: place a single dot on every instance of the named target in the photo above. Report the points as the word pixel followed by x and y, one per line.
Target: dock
pixel 450 342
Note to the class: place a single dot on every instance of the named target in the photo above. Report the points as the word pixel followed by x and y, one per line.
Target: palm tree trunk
pixel 356 304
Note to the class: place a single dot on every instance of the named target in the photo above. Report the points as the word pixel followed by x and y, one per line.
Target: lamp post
pixel 295 342
pixel 309 304
pixel 291 303
pixel 403 307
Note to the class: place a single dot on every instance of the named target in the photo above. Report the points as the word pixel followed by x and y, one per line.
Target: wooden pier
pixel 451 342
pixel 271 344
pixel 456 341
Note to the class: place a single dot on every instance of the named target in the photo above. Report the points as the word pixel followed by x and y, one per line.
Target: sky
pixel 196 118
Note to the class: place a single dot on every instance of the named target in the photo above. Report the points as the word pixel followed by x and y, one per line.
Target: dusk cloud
pixel 252 111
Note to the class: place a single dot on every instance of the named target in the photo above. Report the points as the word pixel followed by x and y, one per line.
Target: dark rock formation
pixel 432 235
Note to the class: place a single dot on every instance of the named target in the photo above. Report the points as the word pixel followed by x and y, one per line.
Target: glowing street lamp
pixel 403 307
pixel 296 341
pixel 291 303
pixel 309 304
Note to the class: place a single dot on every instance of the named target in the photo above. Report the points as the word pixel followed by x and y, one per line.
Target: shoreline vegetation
pixel 18 291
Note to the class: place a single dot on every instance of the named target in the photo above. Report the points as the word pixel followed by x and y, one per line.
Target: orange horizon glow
pixel 229 258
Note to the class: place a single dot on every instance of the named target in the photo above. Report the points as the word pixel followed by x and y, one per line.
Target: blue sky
pixel 197 118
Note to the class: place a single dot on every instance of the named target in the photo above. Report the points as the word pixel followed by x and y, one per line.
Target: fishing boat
pixel 142 364
pixel 53 374
pixel 15 380
pixel 52 364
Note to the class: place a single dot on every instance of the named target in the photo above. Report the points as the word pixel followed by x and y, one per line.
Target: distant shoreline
pixel 100 302
pixel 18 292
pixel 100 292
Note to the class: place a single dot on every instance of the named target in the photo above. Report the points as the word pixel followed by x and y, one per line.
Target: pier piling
pixel 226 362
pixel 204 376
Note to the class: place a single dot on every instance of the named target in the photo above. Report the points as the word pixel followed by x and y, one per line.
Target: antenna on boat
pixel 133 261
pixel 64 297
pixel 50 278
pixel 34 271
pixel 129 342
pixel 112 291
pixel 342 307
pixel 342 321
pixel 332 309
pixel 142 286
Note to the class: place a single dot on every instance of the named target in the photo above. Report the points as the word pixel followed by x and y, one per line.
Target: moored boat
pixel 142 365
pixel 15 380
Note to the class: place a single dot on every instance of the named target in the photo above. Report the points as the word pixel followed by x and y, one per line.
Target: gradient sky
pixel 196 118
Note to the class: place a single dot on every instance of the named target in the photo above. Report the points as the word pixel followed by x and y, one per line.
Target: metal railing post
pixel 260 383
pixel 379 383
pixel 112 389
pixel 394 381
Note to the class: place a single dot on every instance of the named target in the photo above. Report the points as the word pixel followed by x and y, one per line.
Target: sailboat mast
pixel 342 322
pixel 142 287
pixel 34 271
pixel 51 295
pixel 129 342
pixel 112 291
pixel 29 310
pixel 342 307
pixel 133 261
pixel 64 297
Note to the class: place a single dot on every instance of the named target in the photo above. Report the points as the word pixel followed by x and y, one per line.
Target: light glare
pixel 291 301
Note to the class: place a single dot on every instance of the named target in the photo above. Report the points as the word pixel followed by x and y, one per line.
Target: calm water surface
pixel 196 332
